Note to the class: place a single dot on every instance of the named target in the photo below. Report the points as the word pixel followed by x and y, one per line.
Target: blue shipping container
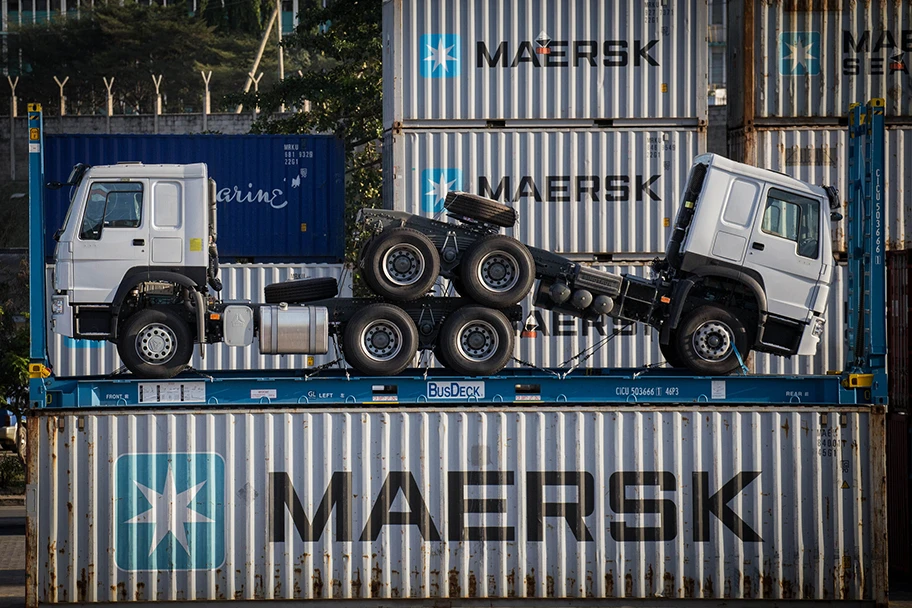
pixel 280 197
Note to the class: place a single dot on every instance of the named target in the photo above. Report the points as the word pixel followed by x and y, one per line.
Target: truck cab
pixel 757 242
pixel 130 224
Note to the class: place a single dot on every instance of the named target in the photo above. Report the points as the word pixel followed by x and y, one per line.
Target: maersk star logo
pixel 439 55
pixel 799 53
pixel 437 183
pixel 170 511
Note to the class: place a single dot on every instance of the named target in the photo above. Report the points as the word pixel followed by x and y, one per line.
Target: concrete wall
pixel 173 124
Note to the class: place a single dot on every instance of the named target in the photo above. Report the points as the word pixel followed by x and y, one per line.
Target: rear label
pixel 455 390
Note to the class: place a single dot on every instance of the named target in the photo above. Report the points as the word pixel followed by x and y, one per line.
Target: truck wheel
pixel 380 340
pixel 302 290
pixel 155 343
pixel 476 341
pixel 670 352
pixel 497 271
pixel 706 340
pixel 480 208
pixel 401 264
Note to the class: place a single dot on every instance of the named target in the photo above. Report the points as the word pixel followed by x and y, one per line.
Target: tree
pixel 129 42
pixel 340 48
pixel 14 342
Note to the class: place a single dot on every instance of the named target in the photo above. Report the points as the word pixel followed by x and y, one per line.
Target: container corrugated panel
pixel 576 190
pixel 240 282
pixel 555 501
pixel 819 156
pixel 811 58
pixel 280 197
pixel 517 60
pixel 899 328
pixel 899 517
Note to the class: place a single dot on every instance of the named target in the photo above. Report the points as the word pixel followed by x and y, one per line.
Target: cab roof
pixel 140 170
pixel 766 175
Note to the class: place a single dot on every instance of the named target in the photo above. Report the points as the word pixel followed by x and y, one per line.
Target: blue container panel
pixel 280 197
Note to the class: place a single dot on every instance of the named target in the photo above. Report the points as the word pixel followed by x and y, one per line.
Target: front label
pixel 455 390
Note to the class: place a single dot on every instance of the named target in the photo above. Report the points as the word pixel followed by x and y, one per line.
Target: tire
pixel 704 341
pixel 302 290
pixel 497 271
pixel 155 343
pixel 670 352
pixel 476 341
pixel 401 264
pixel 480 208
pixel 380 340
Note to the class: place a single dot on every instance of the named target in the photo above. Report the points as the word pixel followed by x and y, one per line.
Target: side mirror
pixel 53 185
pixel 835 216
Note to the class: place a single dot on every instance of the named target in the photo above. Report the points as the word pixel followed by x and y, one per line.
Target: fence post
pixel 62 98
pixel 158 101
pixel 108 85
pixel 12 133
pixel 206 108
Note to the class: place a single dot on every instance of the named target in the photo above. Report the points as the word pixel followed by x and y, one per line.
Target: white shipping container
pixel 512 60
pixel 811 58
pixel 450 503
pixel 240 282
pixel 819 156
pixel 581 191
pixel 561 341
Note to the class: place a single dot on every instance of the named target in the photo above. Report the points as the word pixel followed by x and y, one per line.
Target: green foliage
pixel 12 474
pixel 340 49
pixel 14 341
pixel 131 43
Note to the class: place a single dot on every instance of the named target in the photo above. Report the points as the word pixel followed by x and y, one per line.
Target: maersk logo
pixel 799 53
pixel 440 55
pixel 455 390
pixel 437 183
pixel 170 511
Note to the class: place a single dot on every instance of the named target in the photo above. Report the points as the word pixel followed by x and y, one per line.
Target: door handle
pixel 758 246
pixel 139 242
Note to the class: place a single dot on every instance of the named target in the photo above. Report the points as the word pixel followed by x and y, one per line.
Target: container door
pixel 112 237
pixel 785 249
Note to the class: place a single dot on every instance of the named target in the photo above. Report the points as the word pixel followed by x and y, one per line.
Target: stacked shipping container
pixel 584 115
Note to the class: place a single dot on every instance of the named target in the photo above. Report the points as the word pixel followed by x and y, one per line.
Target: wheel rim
pixel 713 341
pixel 478 341
pixel 382 340
pixel 403 264
pixel 499 271
pixel 156 344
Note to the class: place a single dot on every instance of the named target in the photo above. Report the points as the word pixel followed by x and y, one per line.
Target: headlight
pixel 818 327
pixel 57 306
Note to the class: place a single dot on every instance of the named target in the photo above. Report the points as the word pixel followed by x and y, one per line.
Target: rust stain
pixel 453 577
pixel 473 585
pixel 492 585
pixel 530 583
pixel 766 584
pixel 336 586
pixel 138 593
pixel 317 583
pixel 689 587
pixel 609 583
pixel 628 585
pixel 708 589
pixel 511 584
pixel 649 576
pixel 785 427
pixel 356 583
pixel 590 584
pixel 787 592
pixel 727 585
pixel 82 586
pixel 549 586
pixel 748 590
pixel 259 589
pixel 669 586
pixel 122 590
pixel 376 580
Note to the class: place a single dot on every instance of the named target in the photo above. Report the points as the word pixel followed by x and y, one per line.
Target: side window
pixel 793 217
pixel 111 205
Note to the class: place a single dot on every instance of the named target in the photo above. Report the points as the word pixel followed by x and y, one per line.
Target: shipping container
pixel 899 330
pixel 452 503
pixel 627 61
pixel 280 197
pixel 820 156
pixel 899 517
pixel 802 60
pixel 561 341
pixel 585 191
pixel 240 283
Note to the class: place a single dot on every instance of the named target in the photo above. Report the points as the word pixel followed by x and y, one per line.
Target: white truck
pixel 748 267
